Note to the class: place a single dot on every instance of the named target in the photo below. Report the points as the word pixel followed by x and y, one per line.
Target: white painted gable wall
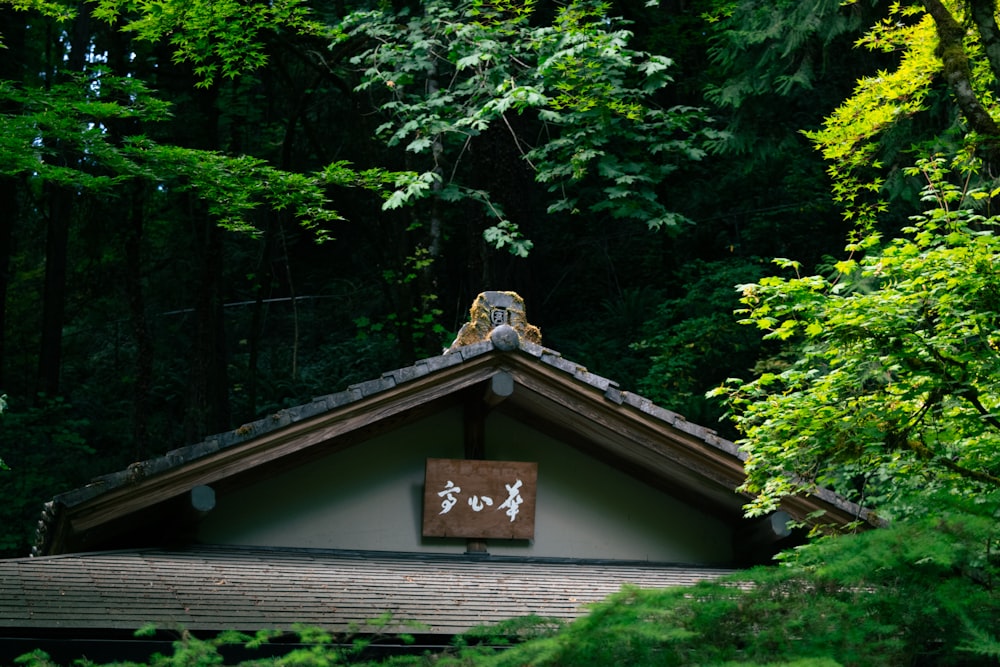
pixel 370 498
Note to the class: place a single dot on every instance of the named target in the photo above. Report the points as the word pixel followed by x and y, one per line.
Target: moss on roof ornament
pixel 500 317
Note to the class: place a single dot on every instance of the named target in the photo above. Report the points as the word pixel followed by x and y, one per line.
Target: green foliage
pixel 894 372
pixel 771 69
pixel 234 187
pixel 852 137
pixel 217 38
pixel 577 102
pixel 421 325
pixel 795 52
pixel 918 592
pixel 781 39
pixel 905 108
pixel 694 342
pixel 60 135
pixel 54 9
pixel 310 647
pixel 615 348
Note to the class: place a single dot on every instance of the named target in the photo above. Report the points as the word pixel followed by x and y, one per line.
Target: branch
pixel 971 394
pixel 923 450
pixel 983 15
pixel 517 142
pixel 958 76
pixel 926 452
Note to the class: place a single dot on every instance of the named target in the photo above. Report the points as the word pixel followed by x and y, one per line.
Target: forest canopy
pixel 776 215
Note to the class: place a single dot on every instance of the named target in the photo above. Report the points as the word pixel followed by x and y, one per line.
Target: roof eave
pixel 624 426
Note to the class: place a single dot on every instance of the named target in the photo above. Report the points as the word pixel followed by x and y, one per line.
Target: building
pixel 493 481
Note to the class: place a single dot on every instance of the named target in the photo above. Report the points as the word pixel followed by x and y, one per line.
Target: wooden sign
pixel 479 499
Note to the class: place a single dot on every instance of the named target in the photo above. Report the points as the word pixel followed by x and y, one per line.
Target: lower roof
pixel 220 588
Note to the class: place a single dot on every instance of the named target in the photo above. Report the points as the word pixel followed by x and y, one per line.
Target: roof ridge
pixel 502 339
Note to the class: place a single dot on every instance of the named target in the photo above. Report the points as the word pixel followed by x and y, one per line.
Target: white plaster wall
pixel 370 498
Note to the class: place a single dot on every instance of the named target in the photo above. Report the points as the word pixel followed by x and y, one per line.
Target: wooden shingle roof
pixel 219 588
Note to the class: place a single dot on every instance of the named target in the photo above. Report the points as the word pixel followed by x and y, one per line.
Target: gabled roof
pixel 537 386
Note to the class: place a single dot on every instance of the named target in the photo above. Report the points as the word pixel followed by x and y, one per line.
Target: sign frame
pixel 477 499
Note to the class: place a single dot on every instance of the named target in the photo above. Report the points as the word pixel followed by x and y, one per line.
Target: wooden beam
pixel 475 446
pixel 498 388
pixel 474 421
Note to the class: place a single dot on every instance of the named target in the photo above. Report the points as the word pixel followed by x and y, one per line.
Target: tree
pixel 87 128
pixel 775 70
pixel 937 98
pixel 886 381
pixel 786 50
pixel 890 383
pixel 45 446
pixel 919 592
pixel 3 406
pixel 577 128
pixel 578 104
pixel 122 178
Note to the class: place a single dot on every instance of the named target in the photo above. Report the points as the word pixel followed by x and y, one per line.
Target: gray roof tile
pixel 370 387
pixel 433 364
pixel 475 349
pixel 614 394
pixel 342 397
pixel 402 375
pixel 535 349
pixel 593 380
pixel 307 410
pixel 558 361
pixel 638 402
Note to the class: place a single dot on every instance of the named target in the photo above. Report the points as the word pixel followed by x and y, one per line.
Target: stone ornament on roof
pixel 500 317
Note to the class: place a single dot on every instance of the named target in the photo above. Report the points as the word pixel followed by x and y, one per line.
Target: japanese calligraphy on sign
pixel 479 499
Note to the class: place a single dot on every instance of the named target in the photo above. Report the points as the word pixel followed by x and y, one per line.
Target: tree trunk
pixel 984 16
pixel 208 405
pixel 133 230
pixel 9 195
pixel 54 291
pixel 257 320
pixel 61 201
pixel 140 327
pixel 958 75
pixel 12 27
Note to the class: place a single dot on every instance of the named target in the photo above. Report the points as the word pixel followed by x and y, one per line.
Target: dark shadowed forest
pixel 215 209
